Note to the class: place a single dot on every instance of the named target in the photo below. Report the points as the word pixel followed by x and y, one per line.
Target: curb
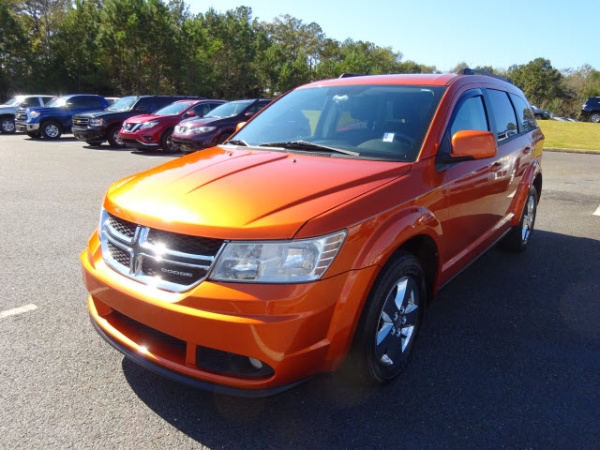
pixel 572 150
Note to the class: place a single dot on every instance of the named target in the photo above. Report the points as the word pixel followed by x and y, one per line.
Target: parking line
pixel 15 311
pixel 597 213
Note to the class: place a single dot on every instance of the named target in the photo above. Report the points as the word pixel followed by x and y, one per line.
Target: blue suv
pixel 56 117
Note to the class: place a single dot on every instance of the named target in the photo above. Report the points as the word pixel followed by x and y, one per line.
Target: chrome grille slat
pixel 169 261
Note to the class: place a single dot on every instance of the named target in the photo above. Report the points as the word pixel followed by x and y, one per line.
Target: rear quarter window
pixel 503 113
pixel 525 116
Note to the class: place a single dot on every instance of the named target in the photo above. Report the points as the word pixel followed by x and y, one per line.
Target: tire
pixel 389 323
pixel 517 238
pixel 114 138
pixel 167 143
pixel 539 117
pixel 7 125
pixel 51 130
pixel 595 117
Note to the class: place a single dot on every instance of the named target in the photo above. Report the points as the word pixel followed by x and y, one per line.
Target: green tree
pixel 231 48
pixel 76 53
pixel 14 48
pixel 540 82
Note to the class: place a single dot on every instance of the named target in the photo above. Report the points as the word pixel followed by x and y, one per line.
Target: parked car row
pixel 137 121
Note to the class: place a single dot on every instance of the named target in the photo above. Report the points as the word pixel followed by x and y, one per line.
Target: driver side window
pixel 470 116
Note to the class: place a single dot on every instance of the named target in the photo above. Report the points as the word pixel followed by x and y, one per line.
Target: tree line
pixel 124 47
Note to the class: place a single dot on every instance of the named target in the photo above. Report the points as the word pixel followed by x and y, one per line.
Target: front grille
pixel 81 121
pixel 170 261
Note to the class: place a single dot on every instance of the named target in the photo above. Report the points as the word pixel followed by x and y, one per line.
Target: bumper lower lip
pixel 190 381
pixel 85 134
pixel 26 127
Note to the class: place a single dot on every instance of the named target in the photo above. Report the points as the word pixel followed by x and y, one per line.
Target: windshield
pixel 385 122
pixel 13 101
pixel 230 109
pixel 173 109
pixel 123 104
pixel 57 102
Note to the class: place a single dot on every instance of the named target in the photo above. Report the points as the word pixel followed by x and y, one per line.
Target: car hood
pixel 44 109
pixel 102 113
pixel 244 194
pixel 196 122
pixel 141 118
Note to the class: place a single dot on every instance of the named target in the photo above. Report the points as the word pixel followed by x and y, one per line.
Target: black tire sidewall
pixel 363 352
pixel 110 136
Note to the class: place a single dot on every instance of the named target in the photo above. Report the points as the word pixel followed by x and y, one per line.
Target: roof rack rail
pixel 349 75
pixel 468 71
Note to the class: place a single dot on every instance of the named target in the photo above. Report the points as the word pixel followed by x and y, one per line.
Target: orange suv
pixel 317 235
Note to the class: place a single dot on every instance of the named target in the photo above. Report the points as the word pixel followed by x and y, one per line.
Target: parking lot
pixel 508 357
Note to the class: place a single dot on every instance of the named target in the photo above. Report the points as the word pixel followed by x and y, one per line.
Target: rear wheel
pixel 51 130
pixel 7 125
pixel 114 138
pixel 517 238
pixel 389 323
pixel 167 144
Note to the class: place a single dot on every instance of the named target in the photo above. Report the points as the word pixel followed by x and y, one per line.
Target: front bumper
pixel 294 330
pixel 140 140
pixel 89 134
pixel 26 127
pixel 193 144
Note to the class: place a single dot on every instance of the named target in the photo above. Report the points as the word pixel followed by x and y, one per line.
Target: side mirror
pixel 248 115
pixel 473 144
pixel 190 113
pixel 239 126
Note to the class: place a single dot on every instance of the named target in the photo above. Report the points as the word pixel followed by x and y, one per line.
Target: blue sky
pixel 445 33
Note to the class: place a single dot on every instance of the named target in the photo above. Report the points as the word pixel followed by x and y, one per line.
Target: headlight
pixel 147 125
pixel 277 262
pixel 201 130
pixel 34 114
pixel 96 122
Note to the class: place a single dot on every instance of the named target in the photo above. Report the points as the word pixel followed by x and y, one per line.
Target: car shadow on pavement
pixel 508 356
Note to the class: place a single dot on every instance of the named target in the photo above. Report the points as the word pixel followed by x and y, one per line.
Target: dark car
pixel 56 117
pixel 152 131
pixel 100 126
pixel 8 110
pixel 195 134
pixel 591 110
pixel 542 114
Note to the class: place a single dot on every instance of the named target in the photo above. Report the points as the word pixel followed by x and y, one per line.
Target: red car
pixel 152 131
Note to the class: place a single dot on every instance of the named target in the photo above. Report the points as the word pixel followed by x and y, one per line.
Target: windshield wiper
pixel 238 142
pixel 305 145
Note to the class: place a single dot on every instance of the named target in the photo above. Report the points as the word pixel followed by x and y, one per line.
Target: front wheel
pixel 114 138
pixel 7 125
pixel 51 130
pixel 167 144
pixel 390 322
pixel 595 117
pixel 517 238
